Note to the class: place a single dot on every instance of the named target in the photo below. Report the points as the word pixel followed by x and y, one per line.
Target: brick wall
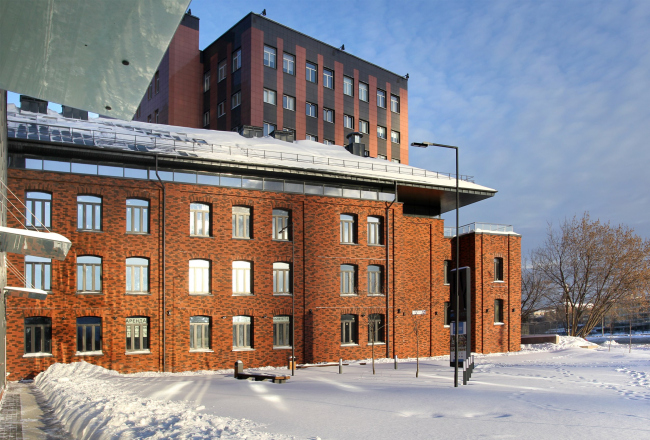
pixel 417 251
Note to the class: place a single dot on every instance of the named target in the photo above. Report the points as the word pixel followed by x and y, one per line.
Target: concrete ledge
pixel 540 339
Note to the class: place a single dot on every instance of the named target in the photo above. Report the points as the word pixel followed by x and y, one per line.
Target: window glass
pixel 280 226
pixel 137 333
pixel 374 230
pixel 137 275
pixel 89 274
pixel 289 102
pixel 498 311
pixel 381 132
pixel 38 335
pixel 222 71
pixel 235 100
pixel 348 228
pixel 38 210
pixel 199 277
pixel 268 129
pixel 289 64
pixel 282 331
pixel 348 86
pixel 311 72
pixel 236 60
pixel 241 221
pixel 328 115
pixel 394 103
pixel 363 92
pixel 221 109
pixel 206 81
pixel 381 98
pixel 89 334
pixel 348 122
pixel 269 56
pixel 241 277
pixel 394 136
pixel 328 78
pixel 137 216
pixel 281 279
pixel 375 278
pixel 376 328
pixel 363 126
pixel 199 333
pixel 311 110
pixel 206 119
pixel 269 96
pixel 349 330
pixel 199 220
pixel 498 269
pixel 89 213
pixel 348 280
pixel 241 332
pixel 38 273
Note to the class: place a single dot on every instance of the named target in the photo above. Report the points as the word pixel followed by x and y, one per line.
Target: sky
pixel 545 99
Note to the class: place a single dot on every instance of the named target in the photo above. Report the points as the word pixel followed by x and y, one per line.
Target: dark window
pixel 447 271
pixel 498 269
pixel 199 332
pixel 39 209
pixel 376 331
pixel 206 81
pixel 221 74
pixel 157 81
pixel 447 313
pixel 281 331
pixel 38 335
pixel 236 60
pixel 498 311
pixel 89 334
pixel 137 333
pixel 349 329
pixel 137 216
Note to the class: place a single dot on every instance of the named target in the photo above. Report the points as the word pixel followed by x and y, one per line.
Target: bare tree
pixel 535 289
pixel 590 266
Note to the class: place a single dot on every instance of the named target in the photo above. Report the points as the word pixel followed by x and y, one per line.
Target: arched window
pixel 241 277
pixel 137 216
pixel 281 279
pixel 89 274
pixel 137 275
pixel 199 277
pixel 39 209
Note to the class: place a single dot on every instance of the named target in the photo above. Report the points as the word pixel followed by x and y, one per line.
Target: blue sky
pixel 549 101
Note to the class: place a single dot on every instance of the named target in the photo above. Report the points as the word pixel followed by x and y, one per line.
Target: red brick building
pixel 193 250
pixel 264 74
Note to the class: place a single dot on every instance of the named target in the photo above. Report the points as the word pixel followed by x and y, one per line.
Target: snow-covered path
pixel 540 393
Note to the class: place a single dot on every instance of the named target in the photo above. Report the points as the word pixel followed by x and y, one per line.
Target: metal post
pixel 340 366
pixel 293 303
pixel 396 362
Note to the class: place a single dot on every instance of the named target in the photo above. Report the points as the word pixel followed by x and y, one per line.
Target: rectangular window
pixel 395 160
pixel 328 115
pixel 149 119
pixel 289 64
pixel 236 60
pixel 363 126
pixel 348 86
pixel 157 81
pixel 221 109
pixel 498 269
pixel 89 274
pixel 280 226
pixel 150 91
pixel 311 137
pixel 89 213
pixel 38 335
pixel 137 216
pixel 206 119
pixel 374 230
pixel 199 333
pixel 281 279
pixel 349 330
pixel 268 129
pixel 199 277
pixel 375 277
pixel 241 221
pixel 348 122
pixel 289 102
pixel 381 98
pixel 137 333
pixel 235 100
pixel 363 91
pixel 39 210
pixel 89 334
pixel 328 78
pixel 447 316
pixel 137 275
pixel 381 132
pixel 206 81
pixel 447 271
pixel 376 331
pixel 241 278
pixel 394 103
pixel 328 142
pixel 156 119
pixel 498 311
pixel 222 71
pixel 348 279
pixel 269 57
pixel 311 110
pixel 269 96
pixel 38 273
pixel 241 332
pixel 199 220
pixel 348 229
pixel 394 136
pixel 382 157
pixel 311 72
pixel 281 331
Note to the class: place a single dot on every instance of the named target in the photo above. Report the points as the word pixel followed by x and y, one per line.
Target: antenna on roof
pixel 342 47
pixel 407 76
pixel 264 12
pixel 189 12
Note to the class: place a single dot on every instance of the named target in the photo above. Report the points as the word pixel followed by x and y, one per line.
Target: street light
pixel 293 299
pixel 431 144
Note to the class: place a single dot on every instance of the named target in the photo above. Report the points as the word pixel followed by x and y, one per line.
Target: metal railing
pixel 41 129
pixel 477 227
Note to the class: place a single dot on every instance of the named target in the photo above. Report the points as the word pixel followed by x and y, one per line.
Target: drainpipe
pixel 164 288
pixel 388 273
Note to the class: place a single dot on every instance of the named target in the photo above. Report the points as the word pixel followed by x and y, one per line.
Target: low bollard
pixel 340 366
pixel 239 369
pixel 465 372
pixel 396 362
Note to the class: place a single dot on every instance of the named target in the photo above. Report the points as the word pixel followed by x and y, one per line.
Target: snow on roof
pixel 223 146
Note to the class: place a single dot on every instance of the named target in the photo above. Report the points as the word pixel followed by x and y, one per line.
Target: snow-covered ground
pixel 545 391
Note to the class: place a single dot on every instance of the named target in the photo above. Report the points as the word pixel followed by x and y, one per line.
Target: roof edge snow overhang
pixel 425 198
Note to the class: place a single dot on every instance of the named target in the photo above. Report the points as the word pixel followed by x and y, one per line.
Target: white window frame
pixel 241 278
pixel 348 122
pixel 236 60
pixel 280 225
pixel 242 332
pixel 235 100
pixel 199 333
pixel 348 280
pixel 394 103
pixel 270 56
pixel 289 64
pixel 199 277
pixel 328 142
pixel 375 231
pixel 381 98
pixel 89 213
pixel 364 93
pixel 328 78
pixel 38 273
pixel 364 126
pixel 223 70
pixel 39 209
pixel 268 129
pixel 137 275
pixel 381 132
pixel 311 110
pixel 311 72
pixel 311 137
pixel 137 216
pixel 89 274
pixel 282 280
pixel 221 109
pixel 199 219
pixel 289 102
pixel 394 136
pixel 270 96
pixel 328 115
pixel 348 228
pixel 348 86
pixel 241 222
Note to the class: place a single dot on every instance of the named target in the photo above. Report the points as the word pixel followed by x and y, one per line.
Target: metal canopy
pixel 74 52
pixel 428 200
pixel 23 292
pixel 40 244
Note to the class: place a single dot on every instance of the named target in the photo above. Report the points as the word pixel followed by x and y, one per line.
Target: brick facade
pixel 417 249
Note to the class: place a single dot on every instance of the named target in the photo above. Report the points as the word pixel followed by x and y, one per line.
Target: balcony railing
pixel 478 227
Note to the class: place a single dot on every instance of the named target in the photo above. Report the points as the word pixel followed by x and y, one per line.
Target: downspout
pixel 388 332
pixel 164 288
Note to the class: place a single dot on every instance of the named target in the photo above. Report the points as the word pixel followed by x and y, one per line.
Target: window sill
pixel 242 349
pixel 200 236
pixel 201 350
pixel 353 244
pixel 377 294
pixel 138 352
pixel 349 295
pixel 89 230
pixel 282 347
pixel 137 233
pixel 242 238
pixel 138 293
pixel 283 294
pixel 498 282
pixel 349 345
pixel 282 240
pixel 89 353
pixel 243 294
pixel 200 294
pixel 83 292
pixel 376 343
pixel 499 323
pixel 376 245
pixel 446 326
pixel 37 355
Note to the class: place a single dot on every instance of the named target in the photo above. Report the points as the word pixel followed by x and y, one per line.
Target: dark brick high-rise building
pixel 261 73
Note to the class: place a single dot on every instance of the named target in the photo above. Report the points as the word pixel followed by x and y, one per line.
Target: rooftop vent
pixel 283 135
pixel 355 146
pixel 74 113
pixel 251 131
pixel 29 104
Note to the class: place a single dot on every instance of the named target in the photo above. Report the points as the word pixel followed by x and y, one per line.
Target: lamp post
pixel 431 144
pixel 293 299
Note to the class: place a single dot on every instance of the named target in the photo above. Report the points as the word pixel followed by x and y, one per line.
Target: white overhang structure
pixel 39 244
pixel 97 55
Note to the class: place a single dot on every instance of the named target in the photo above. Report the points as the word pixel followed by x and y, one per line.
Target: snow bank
pixel 90 408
